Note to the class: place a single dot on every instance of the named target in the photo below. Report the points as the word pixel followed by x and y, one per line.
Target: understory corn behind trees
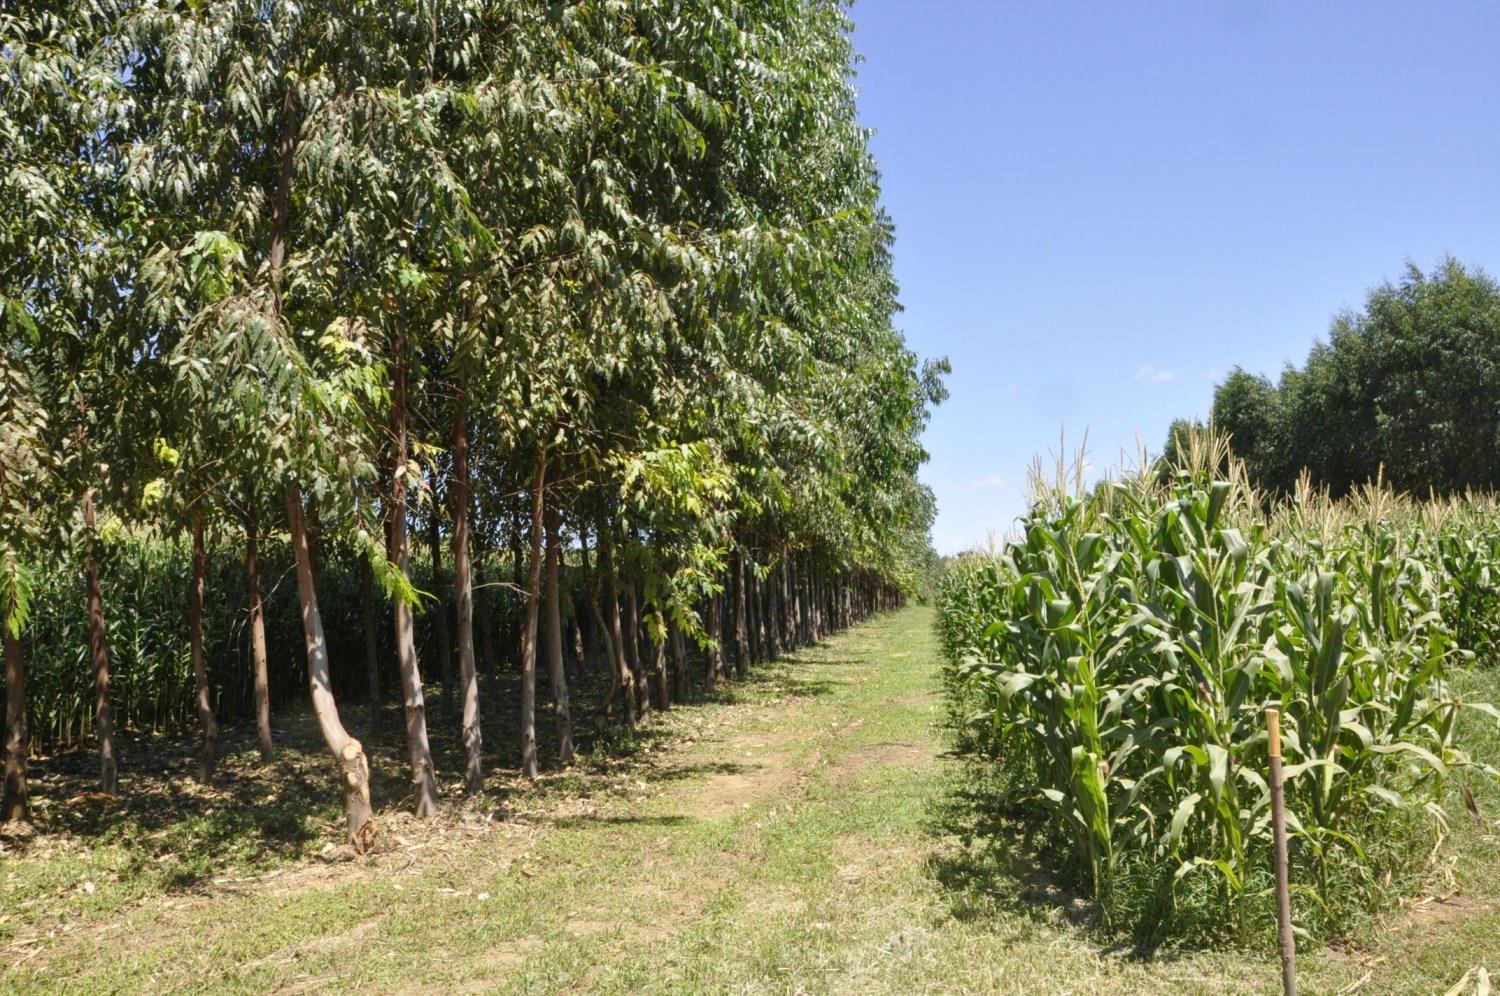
pixel 1116 661
pixel 152 680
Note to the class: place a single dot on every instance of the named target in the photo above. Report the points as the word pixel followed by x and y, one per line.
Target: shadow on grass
pixel 170 826
pixel 254 815
pixel 986 865
pixel 992 862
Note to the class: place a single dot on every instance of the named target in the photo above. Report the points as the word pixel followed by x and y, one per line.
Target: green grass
pixel 810 836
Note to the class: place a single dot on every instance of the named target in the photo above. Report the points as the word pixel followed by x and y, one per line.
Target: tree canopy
pixel 1405 387
pixel 334 269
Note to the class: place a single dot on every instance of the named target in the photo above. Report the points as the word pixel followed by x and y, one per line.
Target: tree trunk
pixel 560 702
pixel 347 752
pixel 104 717
pixel 578 651
pixel 799 607
pixel 315 539
pixel 788 606
pixel 659 668
pixel 468 677
pixel 372 645
pixel 616 637
pixel 200 668
pixel 600 627
pixel 423 780
pixel 633 655
pixel 752 616
pixel 679 662
pixel 484 608
pixel 772 618
pixel 258 637
pixel 312 621
pixel 517 585
pixel 17 736
pixel 529 766
pixel 440 610
pixel 741 633
pixel 714 669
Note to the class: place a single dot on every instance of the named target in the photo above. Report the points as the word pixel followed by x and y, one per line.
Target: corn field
pixel 1113 664
pixel 152 680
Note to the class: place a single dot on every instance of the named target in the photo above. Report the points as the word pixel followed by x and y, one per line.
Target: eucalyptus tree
pixel 23 474
pixel 59 274
pixel 38 55
pixel 720 220
pixel 241 99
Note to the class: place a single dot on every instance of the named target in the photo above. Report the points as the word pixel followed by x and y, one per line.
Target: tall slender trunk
pixel 517 585
pixel 617 638
pixel 423 780
pixel 772 618
pixel 741 632
pixel 714 663
pixel 104 716
pixel 258 636
pixel 458 500
pixel 314 520
pixel 679 662
pixel 814 604
pixel 596 584
pixel 633 654
pixel 484 608
pixel 560 702
pixel 659 669
pixel 799 605
pixel 440 610
pixel 200 667
pixel 15 806
pixel 281 210
pixel 788 607
pixel 529 765
pixel 827 620
pixel 752 615
pixel 578 652
pixel 372 645
pixel 347 752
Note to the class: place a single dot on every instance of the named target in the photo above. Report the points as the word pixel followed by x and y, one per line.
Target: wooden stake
pixel 1278 830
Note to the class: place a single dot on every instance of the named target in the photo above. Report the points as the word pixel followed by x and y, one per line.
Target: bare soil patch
pixel 737 785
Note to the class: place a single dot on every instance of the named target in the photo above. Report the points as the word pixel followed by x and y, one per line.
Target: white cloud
pixel 1151 375
pixel 992 481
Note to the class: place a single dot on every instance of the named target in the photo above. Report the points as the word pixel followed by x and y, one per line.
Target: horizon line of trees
pixel 601 277
pixel 1405 390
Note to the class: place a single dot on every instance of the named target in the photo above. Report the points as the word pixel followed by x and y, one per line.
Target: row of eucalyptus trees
pixel 604 279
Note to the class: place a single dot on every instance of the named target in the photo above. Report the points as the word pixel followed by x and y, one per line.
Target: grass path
pixel 796 837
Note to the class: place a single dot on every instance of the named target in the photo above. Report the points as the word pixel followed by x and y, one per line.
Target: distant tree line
pixel 1408 387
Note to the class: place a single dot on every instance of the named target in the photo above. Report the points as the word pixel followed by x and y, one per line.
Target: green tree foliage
pixel 622 266
pixel 1404 387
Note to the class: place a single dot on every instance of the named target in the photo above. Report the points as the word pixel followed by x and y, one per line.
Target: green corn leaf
pixel 1180 817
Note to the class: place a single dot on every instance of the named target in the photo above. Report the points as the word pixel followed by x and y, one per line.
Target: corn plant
pixel 1118 659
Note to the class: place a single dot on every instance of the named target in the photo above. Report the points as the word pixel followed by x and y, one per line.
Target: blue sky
pixel 1102 208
